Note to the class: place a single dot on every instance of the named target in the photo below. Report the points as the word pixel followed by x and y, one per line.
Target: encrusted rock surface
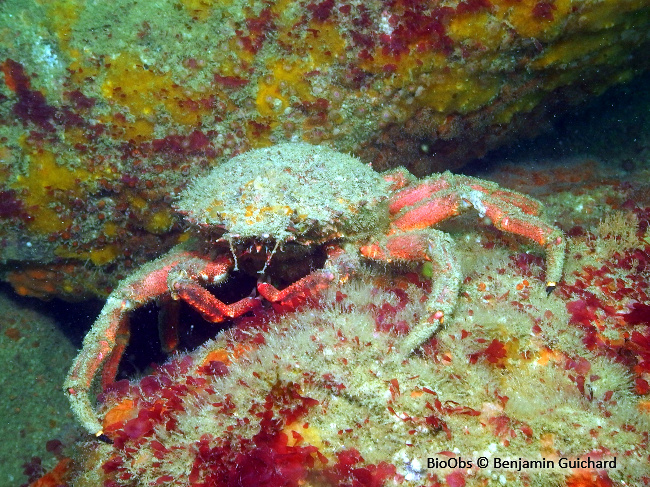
pixel 109 109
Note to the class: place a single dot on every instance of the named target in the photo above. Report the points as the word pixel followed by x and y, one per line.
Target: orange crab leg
pixel 428 188
pixel 430 213
pixel 104 344
pixel 527 226
pixel 411 196
pixel 109 371
pixel 407 247
pixel 168 317
pixel 424 245
pixel 508 211
pixel 524 203
pixel 211 308
pixel 535 229
pixel 297 292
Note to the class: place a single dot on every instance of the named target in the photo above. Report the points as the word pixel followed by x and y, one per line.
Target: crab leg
pixel 100 345
pixel 298 291
pixel 414 194
pixel 104 344
pixel 109 370
pixel 449 195
pixel 426 245
pixel 525 203
pixel 433 187
pixel 434 200
pixel 534 228
pixel 444 291
pixel 444 206
pixel 97 347
pixel 211 308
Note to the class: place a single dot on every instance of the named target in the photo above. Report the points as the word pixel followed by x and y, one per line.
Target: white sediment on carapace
pixel 286 192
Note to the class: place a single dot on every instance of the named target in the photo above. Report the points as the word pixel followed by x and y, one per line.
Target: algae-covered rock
pixel 108 109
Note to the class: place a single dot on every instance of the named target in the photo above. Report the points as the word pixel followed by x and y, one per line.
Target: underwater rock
pixel 108 110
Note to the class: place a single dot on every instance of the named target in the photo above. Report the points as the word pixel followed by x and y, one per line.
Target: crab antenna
pixel 232 251
pixel 268 259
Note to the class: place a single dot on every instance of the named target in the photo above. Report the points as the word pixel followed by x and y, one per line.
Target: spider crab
pixel 295 196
